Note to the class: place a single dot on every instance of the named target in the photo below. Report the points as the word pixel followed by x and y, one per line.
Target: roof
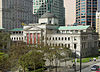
pixel 48 15
pixel 73 27
pixel 17 29
pixel 1 28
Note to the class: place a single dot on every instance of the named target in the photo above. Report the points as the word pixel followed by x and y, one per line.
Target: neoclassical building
pixel 47 32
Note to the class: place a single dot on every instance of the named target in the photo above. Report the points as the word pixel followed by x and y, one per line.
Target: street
pixel 88 69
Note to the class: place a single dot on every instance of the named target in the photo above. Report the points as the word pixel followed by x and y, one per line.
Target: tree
pixel 4 62
pixel 4 41
pixel 66 54
pixel 15 52
pixel 32 59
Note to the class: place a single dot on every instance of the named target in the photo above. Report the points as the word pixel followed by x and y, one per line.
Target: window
pixel 68 45
pixel 22 38
pixel 62 45
pixel 53 38
pixel 68 38
pixel 56 38
pixel 50 38
pixel 75 46
pixel 19 38
pixel 65 38
pixel 59 38
pixel 65 45
pixel 59 44
pixel 62 38
pixel 75 38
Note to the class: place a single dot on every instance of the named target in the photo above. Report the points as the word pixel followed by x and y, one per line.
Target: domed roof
pixel 48 15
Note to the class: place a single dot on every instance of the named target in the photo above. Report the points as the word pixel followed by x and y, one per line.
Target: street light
pixel 80 60
pixel 75 58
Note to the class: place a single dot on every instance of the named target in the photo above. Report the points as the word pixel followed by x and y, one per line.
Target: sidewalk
pixel 84 65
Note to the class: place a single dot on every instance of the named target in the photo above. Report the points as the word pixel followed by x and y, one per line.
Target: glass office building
pixel 53 6
pixel 86 12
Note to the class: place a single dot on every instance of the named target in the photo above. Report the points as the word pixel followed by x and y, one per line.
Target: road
pixel 88 68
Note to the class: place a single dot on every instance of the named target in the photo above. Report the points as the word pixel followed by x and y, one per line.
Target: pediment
pixel 32 28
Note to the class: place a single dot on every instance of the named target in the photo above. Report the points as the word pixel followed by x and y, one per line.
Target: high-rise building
pixel 98 5
pixel 98 23
pixel 15 12
pixel 86 12
pixel 70 12
pixel 53 6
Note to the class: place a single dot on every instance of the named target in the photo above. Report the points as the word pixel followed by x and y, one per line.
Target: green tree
pixel 4 62
pixel 15 52
pixel 33 59
pixel 4 41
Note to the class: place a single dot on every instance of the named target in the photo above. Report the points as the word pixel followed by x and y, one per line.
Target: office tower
pixel 53 6
pixel 70 11
pixel 98 5
pixel 86 12
pixel 15 12
pixel 98 23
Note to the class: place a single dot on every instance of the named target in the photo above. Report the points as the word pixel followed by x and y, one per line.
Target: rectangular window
pixel 75 46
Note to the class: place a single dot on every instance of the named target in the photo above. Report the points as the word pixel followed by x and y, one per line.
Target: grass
pixel 84 60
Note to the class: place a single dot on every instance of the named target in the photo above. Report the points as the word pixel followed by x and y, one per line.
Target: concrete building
pixel 53 6
pixel 98 23
pixel 74 37
pixel 86 12
pixel 15 12
pixel 98 5
pixel 70 11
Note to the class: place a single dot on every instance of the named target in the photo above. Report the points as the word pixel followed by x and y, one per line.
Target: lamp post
pixel 80 60
pixel 75 59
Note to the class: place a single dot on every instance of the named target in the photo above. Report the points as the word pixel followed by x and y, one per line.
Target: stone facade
pixel 98 23
pixel 74 37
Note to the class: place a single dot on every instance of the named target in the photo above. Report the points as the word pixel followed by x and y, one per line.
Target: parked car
pixel 95 67
pixel 98 70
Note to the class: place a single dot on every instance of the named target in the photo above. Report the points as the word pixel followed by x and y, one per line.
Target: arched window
pixel 17 38
pixel 62 38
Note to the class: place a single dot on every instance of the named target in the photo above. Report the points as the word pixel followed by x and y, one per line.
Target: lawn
pixel 84 60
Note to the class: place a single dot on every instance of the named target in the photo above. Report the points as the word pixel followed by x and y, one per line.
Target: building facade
pixel 70 11
pixel 53 6
pixel 86 12
pixel 74 37
pixel 98 23
pixel 15 12
pixel 98 5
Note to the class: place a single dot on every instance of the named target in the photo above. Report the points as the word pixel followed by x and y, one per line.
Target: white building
pixel 74 37
pixel 15 12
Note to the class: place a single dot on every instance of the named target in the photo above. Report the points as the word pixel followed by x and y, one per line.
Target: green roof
pixel 17 29
pixel 73 27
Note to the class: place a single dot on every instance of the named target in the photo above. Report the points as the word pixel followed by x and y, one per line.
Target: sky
pixel 70 11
